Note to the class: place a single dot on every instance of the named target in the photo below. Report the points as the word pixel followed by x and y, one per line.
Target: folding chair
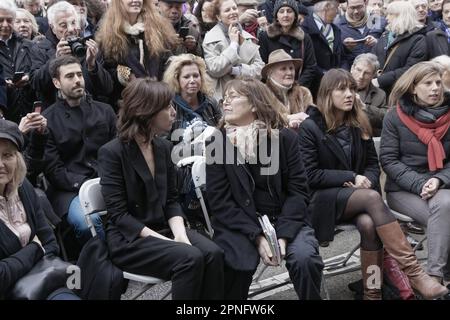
pixel 92 202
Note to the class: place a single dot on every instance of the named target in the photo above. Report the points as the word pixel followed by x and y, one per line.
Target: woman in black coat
pixel 243 188
pixel 343 173
pixel 145 230
pixel 285 33
pixel 25 236
pixel 401 46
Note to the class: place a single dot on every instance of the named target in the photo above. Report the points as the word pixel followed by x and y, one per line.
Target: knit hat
pixel 285 3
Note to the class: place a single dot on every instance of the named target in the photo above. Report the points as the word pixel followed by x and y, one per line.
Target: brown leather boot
pixel 372 276
pixel 398 247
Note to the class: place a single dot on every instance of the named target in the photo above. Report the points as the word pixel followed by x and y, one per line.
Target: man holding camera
pixel 189 36
pixel 62 38
pixel 15 59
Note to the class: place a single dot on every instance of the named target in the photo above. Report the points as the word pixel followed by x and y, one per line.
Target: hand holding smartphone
pixel 17 76
pixel 184 31
pixel 37 107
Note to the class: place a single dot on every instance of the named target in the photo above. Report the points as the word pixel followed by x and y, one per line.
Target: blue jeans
pixel 75 217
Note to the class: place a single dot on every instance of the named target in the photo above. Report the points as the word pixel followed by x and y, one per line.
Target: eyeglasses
pixel 230 98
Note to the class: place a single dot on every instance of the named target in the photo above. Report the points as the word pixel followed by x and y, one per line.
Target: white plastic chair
pixel 92 202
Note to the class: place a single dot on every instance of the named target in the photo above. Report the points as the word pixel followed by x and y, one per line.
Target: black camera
pixel 77 46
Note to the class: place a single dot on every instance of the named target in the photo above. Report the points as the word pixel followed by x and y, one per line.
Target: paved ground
pixel 336 284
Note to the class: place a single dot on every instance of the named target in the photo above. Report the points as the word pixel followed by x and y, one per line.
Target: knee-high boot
pixel 372 273
pixel 398 247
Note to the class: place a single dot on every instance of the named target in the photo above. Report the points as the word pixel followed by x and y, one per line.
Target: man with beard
pixel 78 126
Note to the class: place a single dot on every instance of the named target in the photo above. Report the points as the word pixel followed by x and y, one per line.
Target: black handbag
pixel 49 274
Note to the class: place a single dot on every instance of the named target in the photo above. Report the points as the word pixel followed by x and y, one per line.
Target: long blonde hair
pixel 341 79
pixel 406 18
pixel 406 83
pixel 159 35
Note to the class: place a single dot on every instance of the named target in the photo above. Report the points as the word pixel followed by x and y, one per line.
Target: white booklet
pixel 271 237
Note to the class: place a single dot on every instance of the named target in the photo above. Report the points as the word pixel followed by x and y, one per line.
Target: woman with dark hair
pixel 244 185
pixel 343 173
pixel 145 229
pixel 415 152
pixel 204 11
pixel 285 33
pixel 135 41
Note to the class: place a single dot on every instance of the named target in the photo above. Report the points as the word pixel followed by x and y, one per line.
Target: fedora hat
pixel 279 56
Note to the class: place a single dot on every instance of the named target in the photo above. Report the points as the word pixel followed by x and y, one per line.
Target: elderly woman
pixel 135 41
pixel 280 74
pixel 25 236
pixel 401 46
pixel 25 24
pixel 444 61
pixel 145 230
pixel 240 191
pixel 229 50
pixel 415 152
pixel 343 173
pixel 285 33
pixel 363 70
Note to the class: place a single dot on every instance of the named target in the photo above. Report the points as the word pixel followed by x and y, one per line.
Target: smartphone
pixel 37 106
pixel 238 25
pixel 184 31
pixel 360 40
pixel 17 76
pixel 261 13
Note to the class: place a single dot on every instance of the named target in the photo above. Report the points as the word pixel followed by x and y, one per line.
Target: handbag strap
pixel 391 53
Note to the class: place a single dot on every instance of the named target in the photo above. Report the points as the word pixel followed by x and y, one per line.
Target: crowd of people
pixel 114 88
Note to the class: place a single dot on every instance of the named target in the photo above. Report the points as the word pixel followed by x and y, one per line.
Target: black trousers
pixel 302 261
pixel 196 272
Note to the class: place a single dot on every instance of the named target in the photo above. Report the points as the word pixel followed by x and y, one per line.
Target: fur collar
pixel 274 31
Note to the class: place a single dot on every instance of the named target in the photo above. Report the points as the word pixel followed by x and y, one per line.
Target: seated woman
pixel 279 74
pixel 342 167
pixel 135 41
pixel 186 76
pixel 229 51
pixel 415 153
pixel 25 236
pixel 285 33
pixel 239 191
pixel 138 185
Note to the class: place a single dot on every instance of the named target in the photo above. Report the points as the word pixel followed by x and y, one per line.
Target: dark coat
pixel 17 58
pixel 98 82
pixel 75 135
pixel 376 107
pixel 133 197
pixel 437 43
pixel 230 197
pixel 404 157
pixel 372 28
pixel 326 59
pixel 412 48
pixel 267 6
pixel 296 43
pixel 2 90
pixel 328 169
pixel 15 260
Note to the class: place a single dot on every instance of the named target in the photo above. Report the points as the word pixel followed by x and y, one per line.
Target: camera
pixel 77 46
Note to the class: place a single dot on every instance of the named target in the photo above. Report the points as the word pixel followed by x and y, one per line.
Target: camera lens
pixel 78 49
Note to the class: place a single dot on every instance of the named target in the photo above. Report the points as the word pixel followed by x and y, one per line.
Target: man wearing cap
pixel 355 27
pixel 190 41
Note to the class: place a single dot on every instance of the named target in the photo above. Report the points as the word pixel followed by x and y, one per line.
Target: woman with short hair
pixel 25 24
pixel 145 229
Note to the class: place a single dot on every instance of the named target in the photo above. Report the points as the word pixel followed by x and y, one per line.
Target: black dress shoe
pixel 414 228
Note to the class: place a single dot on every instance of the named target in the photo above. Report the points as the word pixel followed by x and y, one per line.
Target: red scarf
pixel 430 134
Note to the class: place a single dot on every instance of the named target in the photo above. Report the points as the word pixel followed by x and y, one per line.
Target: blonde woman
pixel 401 46
pixel 25 24
pixel 229 50
pixel 343 173
pixel 415 153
